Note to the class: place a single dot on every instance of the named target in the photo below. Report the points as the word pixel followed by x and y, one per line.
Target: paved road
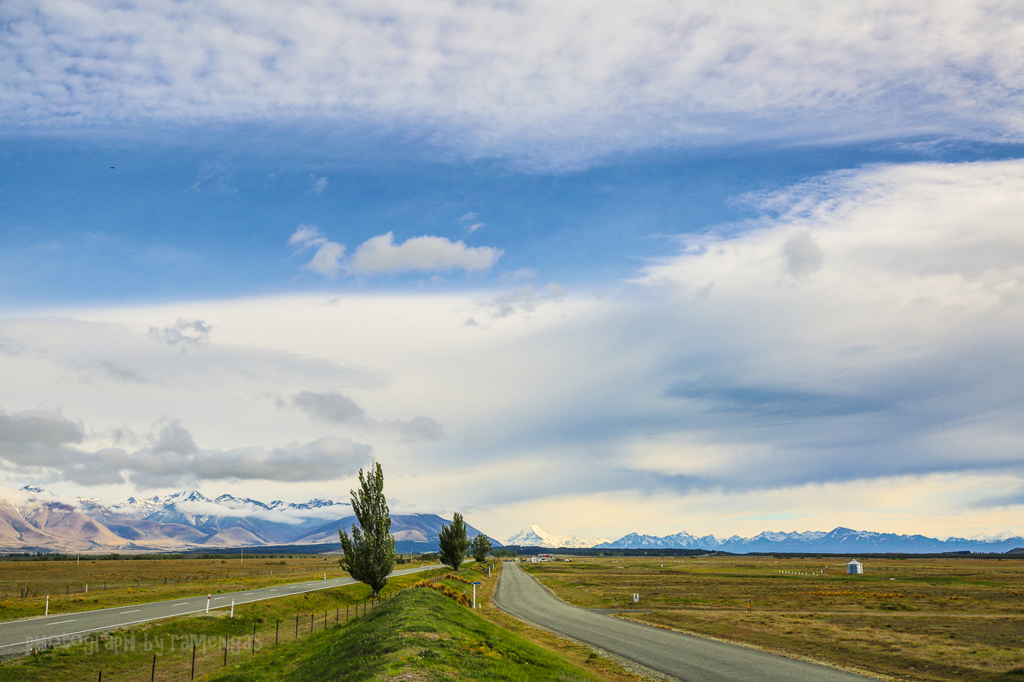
pixel 685 657
pixel 61 627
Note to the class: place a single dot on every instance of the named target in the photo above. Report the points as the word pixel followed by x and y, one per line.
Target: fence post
pixel 152 674
pixel 253 640
pixel 312 617
pixel 296 626
pixel 193 662
pixel 277 631
pixel 225 650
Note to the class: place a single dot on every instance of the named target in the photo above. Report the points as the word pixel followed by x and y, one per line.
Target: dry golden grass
pixel 913 619
pixel 116 582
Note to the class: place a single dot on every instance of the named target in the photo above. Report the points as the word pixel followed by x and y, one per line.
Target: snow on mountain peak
pixel 535 536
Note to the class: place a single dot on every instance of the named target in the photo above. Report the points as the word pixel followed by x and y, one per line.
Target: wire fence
pixel 189 657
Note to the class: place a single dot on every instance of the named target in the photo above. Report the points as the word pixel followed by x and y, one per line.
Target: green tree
pixel 480 546
pixel 453 542
pixel 370 552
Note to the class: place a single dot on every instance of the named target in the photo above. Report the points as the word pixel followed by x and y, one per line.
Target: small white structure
pixel 854 567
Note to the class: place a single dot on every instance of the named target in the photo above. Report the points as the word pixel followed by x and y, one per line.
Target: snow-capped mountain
pixel 838 541
pixel 535 536
pixel 34 519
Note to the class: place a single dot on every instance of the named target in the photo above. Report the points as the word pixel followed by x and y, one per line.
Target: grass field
pixel 908 619
pixel 116 582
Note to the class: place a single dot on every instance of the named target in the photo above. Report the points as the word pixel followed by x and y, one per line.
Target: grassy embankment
pixel 420 635
pixel 908 619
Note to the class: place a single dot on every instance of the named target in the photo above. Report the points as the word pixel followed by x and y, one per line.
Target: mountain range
pixel 838 541
pixel 32 519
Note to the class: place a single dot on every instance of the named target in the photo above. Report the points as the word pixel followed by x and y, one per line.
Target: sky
pixel 714 267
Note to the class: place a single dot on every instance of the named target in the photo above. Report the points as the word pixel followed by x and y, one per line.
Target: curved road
pixel 685 657
pixel 62 627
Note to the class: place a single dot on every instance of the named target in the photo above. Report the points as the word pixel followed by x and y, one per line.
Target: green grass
pixel 420 633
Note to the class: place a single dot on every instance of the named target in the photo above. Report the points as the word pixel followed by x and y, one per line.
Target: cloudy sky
pixel 715 267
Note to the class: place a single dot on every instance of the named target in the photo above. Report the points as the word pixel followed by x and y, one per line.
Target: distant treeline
pixel 669 552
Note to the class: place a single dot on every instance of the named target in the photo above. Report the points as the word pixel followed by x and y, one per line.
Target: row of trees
pixel 370 552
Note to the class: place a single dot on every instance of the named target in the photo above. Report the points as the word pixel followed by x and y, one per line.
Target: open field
pixel 125 581
pixel 909 619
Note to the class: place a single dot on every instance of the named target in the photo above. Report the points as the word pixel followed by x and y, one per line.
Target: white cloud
pixel 470 223
pixel 558 84
pixel 318 187
pixel 380 254
pixel 326 260
pixel 183 333
pixel 306 236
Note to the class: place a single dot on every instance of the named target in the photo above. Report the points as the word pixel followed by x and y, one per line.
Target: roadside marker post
pixel 232 609
pixel 47 606
pixel 208 603
pixel 474 594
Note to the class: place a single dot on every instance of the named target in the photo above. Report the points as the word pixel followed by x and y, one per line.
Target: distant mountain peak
pixel 535 536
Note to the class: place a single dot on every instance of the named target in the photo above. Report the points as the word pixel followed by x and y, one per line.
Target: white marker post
pixel 232 609
pixel 474 594
pixel 47 606
pixel 325 575
pixel 207 603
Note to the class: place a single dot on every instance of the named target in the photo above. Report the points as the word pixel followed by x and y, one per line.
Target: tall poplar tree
pixel 370 552
pixel 453 542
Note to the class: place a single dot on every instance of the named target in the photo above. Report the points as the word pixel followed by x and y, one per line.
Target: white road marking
pixel 247 594
pixel 63 621
pixel 134 611
pixel 184 603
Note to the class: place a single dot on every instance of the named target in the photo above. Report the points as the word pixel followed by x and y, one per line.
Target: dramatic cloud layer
pixel 859 342
pixel 525 79
pixel 44 445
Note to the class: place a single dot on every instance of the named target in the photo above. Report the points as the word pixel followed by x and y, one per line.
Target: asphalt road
pixel 685 657
pixel 62 627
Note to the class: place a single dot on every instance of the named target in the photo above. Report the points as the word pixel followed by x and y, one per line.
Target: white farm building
pixel 854 567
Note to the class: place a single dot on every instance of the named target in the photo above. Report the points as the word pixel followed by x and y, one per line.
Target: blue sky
pixel 608 270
